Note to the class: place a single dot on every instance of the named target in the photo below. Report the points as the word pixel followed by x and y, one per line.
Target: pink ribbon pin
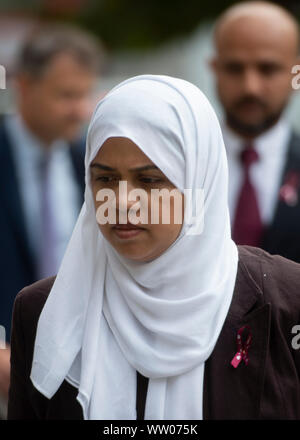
pixel 242 348
pixel 289 191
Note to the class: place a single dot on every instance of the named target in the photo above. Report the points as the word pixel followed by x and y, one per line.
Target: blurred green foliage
pixel 132 23
pixel 142 23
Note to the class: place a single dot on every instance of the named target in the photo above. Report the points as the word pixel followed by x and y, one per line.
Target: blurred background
pixel 54 78
pixel 161 37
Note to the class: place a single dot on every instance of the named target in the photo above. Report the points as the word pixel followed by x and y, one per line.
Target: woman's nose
pixel 124 198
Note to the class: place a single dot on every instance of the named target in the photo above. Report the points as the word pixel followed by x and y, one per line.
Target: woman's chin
pixel 134 252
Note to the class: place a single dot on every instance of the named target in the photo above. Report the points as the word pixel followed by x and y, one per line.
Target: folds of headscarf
pixel 106 316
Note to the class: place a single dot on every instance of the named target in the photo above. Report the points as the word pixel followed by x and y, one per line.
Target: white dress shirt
pixel 64 191
pixel 265 174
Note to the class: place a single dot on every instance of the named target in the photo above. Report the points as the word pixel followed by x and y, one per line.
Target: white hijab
pixel 107 316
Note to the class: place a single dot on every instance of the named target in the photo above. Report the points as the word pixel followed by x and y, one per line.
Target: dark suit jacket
pixel 266 298
pixel 283 234
pixel 17 265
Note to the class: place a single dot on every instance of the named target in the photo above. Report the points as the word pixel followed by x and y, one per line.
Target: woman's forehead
pixel 121 151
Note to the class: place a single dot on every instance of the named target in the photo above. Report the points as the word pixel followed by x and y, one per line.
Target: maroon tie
pixel 247 226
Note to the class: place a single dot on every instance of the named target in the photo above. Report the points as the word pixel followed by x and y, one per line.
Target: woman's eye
pixel 105 179
pixel 151 180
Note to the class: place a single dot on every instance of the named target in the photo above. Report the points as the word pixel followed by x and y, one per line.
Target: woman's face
pixel 119 159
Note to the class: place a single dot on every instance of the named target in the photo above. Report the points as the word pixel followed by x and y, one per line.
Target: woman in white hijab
pixel 147 298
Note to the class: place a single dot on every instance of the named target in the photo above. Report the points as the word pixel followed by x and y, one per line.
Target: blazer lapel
pixel 235 393
pixel 10 195
pixel 279 236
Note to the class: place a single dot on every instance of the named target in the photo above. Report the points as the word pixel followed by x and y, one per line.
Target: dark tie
pixel 247 225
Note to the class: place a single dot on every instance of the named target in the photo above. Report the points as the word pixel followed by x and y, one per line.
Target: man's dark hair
pixel 45 42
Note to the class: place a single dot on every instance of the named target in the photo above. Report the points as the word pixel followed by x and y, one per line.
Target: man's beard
pixel 252 130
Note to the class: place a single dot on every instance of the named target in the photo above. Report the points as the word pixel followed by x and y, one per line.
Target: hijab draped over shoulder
pixel 106 316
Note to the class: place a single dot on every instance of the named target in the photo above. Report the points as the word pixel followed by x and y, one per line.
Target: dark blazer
pixel 283 234
pixel 266 298
pixel 17 265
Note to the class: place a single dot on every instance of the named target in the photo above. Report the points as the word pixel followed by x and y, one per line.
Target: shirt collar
pixel 264 143
pixel 26 144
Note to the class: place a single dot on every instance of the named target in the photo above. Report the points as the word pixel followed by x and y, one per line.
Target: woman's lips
pixel 127 230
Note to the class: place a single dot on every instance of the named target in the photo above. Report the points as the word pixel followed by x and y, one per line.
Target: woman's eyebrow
pixel 107 168
pixel 145 168
pixel 102 167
